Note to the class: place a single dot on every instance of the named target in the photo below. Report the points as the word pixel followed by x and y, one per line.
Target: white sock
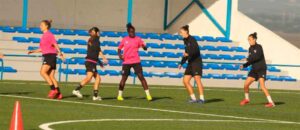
pixel 193 97
pixel 247 96
pixel 147 92
pixel 202 97
pixel 120 93
pixel 270 99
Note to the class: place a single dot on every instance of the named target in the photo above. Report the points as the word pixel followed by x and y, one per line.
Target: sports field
pixel 169 110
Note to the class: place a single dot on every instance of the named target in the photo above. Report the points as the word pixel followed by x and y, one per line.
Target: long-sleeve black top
pixel 93 49
pixel 256 58
pixel 192 48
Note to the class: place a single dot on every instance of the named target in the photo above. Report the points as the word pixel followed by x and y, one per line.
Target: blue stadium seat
pixel 273 69
pixel 209 48
pixel 79 61
pixel 153 36
pixel 204 56
pixel 209 39
pixel 274 78
pixel 21 39
pixel 22 30
pixel 241 76
pixel 170 54
pixel 141 35
pixel 157 64
pixel 110 43
pixel 225 57
pixel 114 63
pixel 30 48
pixel 122 34
pixel 198 38
pixel 147 74
pixel 110 52
pixel 168 46
pixel 67 71
pixel 205 66
pixel 217 76
pixel 101 72
pixel 110 34
pixel 70 61
pixel 67 50
pixel 180 46
pixel 112 72
pixel 81 32
pixel 80 50
pixel 8 69
pixel 156 54
pixel 173 75
pixel 213 56
pixel 146 63
pixel 144 54
pixel 230 76
pixel 157 74
pixel 9 30
pixel 238 57
pixel 206 76
pixel 55 31
pixel 67 32
pixel 154 45
pixel 239 49
pixel 34 39
pixel 80 42
pixel 224 48
pixel 178 37
pixel 214 66
pixel 65 42
pixel 167 36
pixel 229 67
pixel 80 71
pixel 35 30
pixel 223 39
pixel 287 78
pixel 170 64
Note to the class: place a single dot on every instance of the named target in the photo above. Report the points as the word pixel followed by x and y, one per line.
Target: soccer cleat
pixel 77 93
pixel 59 96
pixel 120 98
pixel 244 102
pixel 192 101
pixel 149 98
pixel 270 105
pixel 52 94
pixel 201 101
pixel 98 98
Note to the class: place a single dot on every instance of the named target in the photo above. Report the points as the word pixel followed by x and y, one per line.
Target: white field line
pixel 162 88
pixel 152 109
pixel 46 126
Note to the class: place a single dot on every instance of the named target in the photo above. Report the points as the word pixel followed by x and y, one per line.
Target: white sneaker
pixel 77 93
pixel 97 98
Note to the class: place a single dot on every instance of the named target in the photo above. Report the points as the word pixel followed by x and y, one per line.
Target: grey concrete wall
pixel 11 12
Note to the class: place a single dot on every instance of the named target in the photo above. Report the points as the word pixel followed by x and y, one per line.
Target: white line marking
pixel 46 126
pixel 16 115
pixel 167 88
pixel 152 109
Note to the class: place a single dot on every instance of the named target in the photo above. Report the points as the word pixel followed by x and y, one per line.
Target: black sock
pixel 58 90
pixel 95 93
pixel 52 87
pixel 79 87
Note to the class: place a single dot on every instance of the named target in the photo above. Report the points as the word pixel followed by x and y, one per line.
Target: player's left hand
pixel 1 56
pixel 105 61
pixel 179 66
pixel 185 54
pixel 62 57
pixel 241 67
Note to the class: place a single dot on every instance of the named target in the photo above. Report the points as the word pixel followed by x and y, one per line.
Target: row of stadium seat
pixel 8 69
pixel 115 44
pixel 170 64
pixel 177 75
pixel 163 36
pixel 152 54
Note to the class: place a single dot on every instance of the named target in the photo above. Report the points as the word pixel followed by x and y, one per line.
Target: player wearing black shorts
pixel 92 59
pixel 258 72
pixel 194 67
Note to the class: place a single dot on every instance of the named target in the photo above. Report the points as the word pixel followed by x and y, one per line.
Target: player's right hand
pixel 121 57
pixel 179 66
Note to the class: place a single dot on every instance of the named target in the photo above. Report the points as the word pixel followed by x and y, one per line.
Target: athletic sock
pixel 120 93
pixel 95 93
pixel 247 96
pixel 58 90
pixel 202 97
pixel 52 87
pixel 147 92
pixel 193 97
pixel 79 87
pixel 270 99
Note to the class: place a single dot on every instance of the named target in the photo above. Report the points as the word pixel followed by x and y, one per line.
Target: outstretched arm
pixel 34 51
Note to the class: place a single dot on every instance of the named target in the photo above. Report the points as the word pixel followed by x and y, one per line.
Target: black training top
pixel 93 48
pixel 256 58
pixel 192 48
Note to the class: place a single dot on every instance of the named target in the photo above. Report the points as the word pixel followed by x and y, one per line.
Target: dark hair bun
pixel 50 20
pixel 187 26
pixel 129 25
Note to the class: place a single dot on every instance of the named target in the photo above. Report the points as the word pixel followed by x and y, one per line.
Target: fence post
pixel 2 69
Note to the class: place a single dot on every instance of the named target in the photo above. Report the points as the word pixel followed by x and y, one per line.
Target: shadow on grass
pixel 73 96
pixel 213 100
pixel 156 98
pixel 17 93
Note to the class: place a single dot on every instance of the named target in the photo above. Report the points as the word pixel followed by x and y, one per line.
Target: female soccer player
pixel 258 72
pixel 92 58
pixel 194 67
pixel 131 59
pixel 49 49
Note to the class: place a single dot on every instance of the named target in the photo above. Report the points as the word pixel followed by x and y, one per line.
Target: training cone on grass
pixel 16 120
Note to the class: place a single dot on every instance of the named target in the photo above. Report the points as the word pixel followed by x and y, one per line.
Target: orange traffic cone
pixel 16 120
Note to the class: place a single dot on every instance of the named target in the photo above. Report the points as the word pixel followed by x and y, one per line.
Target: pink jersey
pixel 47 43
pixel 131 47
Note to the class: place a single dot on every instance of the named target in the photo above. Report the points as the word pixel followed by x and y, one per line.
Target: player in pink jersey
pixel 131 59
pixel 49 49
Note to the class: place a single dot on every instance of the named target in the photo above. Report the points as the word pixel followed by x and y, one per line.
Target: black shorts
pixel 137 69
pixel 194 69
pixel 257 74
pixel 50 59
pixel 91 67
